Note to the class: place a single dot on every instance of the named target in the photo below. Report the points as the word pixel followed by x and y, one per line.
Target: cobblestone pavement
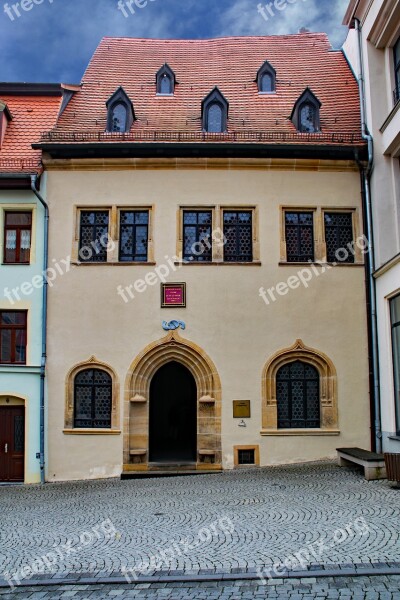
pixel 369 588
pixel 209 523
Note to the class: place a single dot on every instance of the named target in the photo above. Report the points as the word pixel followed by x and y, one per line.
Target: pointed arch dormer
pixel 214 111
pixel 165 81
pixel 266 79
pixel 306 113
pixel 120 112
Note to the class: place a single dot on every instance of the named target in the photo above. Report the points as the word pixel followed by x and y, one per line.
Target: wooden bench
pixel 373 464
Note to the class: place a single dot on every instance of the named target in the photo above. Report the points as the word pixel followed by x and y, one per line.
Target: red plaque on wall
pixel 173 295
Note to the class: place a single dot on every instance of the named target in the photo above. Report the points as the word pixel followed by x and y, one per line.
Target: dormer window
pixel 165 81
pixel 266 79
pixel 215 112
pixel 5 117
pixel 305 115
pixel 120 113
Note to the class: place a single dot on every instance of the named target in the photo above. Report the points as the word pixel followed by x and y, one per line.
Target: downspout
pixel 44 325
pixel 366 178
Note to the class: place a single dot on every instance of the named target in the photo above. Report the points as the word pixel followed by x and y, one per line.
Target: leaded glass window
pixel 238 234
pixel 298 396
pixel 308 118
pixel 13 331
pixel 215 118
pixel 93 236
pixel 119 118
pixel 92 399
pixel 339 237
pixel 299 235
pixel 133 236
pixel 17 237
pixel 197 235
pixel 395 321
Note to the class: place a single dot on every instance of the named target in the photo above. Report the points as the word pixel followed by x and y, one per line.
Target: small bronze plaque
pixel 241 409
pixel 173 295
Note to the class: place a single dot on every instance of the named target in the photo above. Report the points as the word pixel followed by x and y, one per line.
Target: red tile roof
pixel 300 61
pixel 31 115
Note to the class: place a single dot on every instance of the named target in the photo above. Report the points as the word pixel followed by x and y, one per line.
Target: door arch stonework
pixel 172 347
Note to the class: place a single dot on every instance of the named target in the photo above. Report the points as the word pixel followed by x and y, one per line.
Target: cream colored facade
pixel 232 338
pixel 380 30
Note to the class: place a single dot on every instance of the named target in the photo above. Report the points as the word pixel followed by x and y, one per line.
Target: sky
pixel 53 40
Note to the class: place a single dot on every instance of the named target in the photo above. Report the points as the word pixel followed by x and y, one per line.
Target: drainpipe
pixel 366 178
pixel 44 324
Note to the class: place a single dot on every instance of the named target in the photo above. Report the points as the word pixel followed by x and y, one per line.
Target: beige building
pixel 375 29
pixel 208 303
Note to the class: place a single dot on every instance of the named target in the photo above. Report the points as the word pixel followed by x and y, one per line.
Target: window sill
pixel 255 263
pixel 319 264
pixel 92 431
pixel 113 264
pixel 299 432
pixel 395 438
pixel 17 264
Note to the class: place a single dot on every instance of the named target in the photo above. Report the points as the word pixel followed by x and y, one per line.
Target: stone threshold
pixel 202 575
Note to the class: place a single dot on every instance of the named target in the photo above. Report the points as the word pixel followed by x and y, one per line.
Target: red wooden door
pixel 12 437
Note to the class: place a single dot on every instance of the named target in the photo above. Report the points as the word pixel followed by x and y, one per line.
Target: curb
pixel 118 579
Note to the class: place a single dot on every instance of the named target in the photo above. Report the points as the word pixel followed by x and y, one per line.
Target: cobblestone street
pixel 228 523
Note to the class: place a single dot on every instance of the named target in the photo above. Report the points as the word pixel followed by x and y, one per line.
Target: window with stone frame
pixel 298 396
pixel 92 399
pixel 238 235
pixel 299 236
pixel 133 235
pixel 339 236
pixel 93 237
pixel 197 235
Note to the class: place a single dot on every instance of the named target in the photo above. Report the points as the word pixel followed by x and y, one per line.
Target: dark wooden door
pixel 173 415
pixel 12 437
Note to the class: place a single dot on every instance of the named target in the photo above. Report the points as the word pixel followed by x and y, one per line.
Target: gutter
pixel 34 179
pixel 370 264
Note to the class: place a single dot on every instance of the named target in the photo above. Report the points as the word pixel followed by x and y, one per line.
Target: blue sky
pixel 54 39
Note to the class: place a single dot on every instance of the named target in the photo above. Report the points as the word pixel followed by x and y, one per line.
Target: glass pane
pixel 266 83
pixel 101 377
pixel 166 87
pixel 395 310
pixel 307 118
pixel 215 118
pixel 87 218
pixel 189 218
pixel 396 367
pixel 397 53
pixel 13 318
pixel 83 402
pixel 20 346
pixel 141 240
pixel 18 218
pixel 142 218
pixel 119 118
pixel 5 346
pixel 11 239
pixel 25 242
pixel 84 377
pixel 19 433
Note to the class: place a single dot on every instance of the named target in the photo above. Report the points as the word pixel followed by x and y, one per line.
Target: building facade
pixel 207 309
pixel 25 111
pixel 375 28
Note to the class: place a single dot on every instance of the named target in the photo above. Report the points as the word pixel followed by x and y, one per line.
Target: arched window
pixel 299 391
pixel 307 118
pixel 165 81
pixel 214 118
pixel 266 79
pixel 298 396
pixel 119 114
pixel 215 112
pixel 92 399
pixel 305 115
pixel 266 83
